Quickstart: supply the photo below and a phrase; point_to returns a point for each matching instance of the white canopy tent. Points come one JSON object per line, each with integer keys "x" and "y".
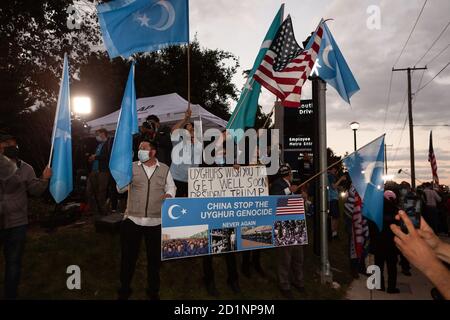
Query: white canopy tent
{"x": 169, "y": 108}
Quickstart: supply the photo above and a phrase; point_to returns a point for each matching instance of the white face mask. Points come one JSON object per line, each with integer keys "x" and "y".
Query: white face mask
{"x": 144, "y": 155}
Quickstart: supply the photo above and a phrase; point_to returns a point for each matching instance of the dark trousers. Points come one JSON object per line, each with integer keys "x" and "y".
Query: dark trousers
{"x": 404, "y": 263}
{"x": 97, "y": 190}
{"x": 182, "y": 188}
{"x": 251, "y": 257}
{"x": 431, "y": 216}
{"x": 386, "y": 252}
{"x": 13, "y": 242}
{"x": 290, "y": 267}
{"x": 131, "y": 236}
{"x": 208, "y": 270}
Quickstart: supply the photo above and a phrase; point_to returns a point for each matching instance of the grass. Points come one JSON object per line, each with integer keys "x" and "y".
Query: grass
{"x": 47, "y": 257}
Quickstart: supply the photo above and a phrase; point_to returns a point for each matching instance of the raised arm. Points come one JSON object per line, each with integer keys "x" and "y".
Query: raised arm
{"x": 182, "y": 122}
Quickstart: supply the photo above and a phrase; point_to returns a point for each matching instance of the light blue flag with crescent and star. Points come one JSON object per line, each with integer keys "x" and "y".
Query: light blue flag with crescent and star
{"x": 131, "y": 26}
{"x": 245, "y": 112}
{"x": 120, "y": 163}
{"x": 332, "y": 66}
{"x": 61, "y": 182}
{"x": 365, "y": 167}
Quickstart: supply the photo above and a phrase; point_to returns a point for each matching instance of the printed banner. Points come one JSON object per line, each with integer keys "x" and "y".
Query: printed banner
{"x": 247, "y": 181}
{"x": 195, "y": 227}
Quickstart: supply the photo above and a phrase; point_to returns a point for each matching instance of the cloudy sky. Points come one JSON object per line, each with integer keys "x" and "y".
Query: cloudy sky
{"x": 239, "y": 27}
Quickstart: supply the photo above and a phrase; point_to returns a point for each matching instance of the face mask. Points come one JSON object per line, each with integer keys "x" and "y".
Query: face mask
{"x": 100, "y": 139}
{"x": 11, "y": 152}
{"x": 144, "y": 155}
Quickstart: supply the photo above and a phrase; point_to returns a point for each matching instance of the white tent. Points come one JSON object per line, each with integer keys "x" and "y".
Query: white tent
{"x": 169, "y": 108}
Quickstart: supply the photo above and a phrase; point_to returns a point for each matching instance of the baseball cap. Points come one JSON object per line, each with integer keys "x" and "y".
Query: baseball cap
{"x": 284, "y": 170}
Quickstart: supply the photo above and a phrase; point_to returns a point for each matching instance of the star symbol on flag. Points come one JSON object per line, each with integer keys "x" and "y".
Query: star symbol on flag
{"x": 183, "y": 211}
{"x": 143, "y": 19}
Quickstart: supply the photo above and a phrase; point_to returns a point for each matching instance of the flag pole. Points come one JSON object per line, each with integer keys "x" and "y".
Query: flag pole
{"x": 337, "y": 162}
{"x": 189, "y": 74}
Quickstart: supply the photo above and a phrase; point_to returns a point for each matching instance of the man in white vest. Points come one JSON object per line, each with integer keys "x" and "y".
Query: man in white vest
{"x": 150, "y": 185}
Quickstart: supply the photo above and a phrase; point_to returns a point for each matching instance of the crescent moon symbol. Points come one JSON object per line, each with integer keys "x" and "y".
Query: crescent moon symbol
{"x": 169, "y": 212}
{"x": 325, "y": 54}
{"x": 164, "y": 25}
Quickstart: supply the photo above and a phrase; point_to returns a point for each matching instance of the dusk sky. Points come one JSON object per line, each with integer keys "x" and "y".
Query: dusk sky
{"x": 240, "y": 26}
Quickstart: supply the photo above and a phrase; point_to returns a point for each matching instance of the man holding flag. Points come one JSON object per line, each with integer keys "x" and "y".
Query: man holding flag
{"x": 14, "y": 193}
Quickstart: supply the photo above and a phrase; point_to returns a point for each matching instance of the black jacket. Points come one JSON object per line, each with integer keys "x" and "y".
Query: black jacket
{"x": 104, "y": 156}
{"x": 278, "y": 186}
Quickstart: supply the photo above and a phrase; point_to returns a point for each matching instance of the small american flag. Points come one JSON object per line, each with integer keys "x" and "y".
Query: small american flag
{"x": 432, "y": 160}
{"x": 290, "y": 205}
{"x": 286, "y": 66}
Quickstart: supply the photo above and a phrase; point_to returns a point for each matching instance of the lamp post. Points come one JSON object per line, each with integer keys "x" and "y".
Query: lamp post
{"x": 354, "y": 126}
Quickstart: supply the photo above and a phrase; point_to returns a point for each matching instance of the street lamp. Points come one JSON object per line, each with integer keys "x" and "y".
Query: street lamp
{"x": 354, "y": 126}
{"x": 82, "y": 105}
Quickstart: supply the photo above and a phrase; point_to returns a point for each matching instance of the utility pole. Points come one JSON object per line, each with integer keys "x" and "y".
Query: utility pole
{"x": 385, "y": 157}
{"x": 411, "y": 126}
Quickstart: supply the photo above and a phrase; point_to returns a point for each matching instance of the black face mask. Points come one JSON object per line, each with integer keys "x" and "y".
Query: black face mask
{"x": 11, "y": 152}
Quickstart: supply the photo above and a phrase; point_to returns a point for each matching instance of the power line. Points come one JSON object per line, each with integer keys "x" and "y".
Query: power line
{"x": 434, "y": 42}
{"x": 433, "y": 78}
{"x": 398, "y": 58}
{"x": 410, "y": 34}
{"x": 388, "y": 100}
{"x": 437, "y": 56}
{"x": 406, "y": 116}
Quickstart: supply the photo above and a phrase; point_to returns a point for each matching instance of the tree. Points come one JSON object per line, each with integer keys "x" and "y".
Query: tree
{"x": 34, "y": 36}
{"x": 160, "y": 73}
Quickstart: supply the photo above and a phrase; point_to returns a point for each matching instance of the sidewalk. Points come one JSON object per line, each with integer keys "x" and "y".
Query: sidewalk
{"x": 416, "y": 287}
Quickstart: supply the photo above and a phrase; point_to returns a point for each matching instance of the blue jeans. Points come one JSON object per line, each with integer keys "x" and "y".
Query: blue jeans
{"x": 13, "y": 242}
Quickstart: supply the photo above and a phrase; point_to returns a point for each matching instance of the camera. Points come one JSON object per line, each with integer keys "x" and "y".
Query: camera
{"x": 412, "y": 206}
{"x": 149, "y": 125}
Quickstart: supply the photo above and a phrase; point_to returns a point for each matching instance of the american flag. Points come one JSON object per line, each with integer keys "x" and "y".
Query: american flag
{"x": 286, "y": 66}
{"x": 432, "y": 160}
{"x": 290, "y": 205}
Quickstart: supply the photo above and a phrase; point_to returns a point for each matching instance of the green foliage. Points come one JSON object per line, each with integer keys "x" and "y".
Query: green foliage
{"x": 35, "y": 35}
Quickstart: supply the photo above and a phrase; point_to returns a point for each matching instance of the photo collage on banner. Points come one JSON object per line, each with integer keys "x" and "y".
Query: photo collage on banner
{"x": 235, "y": 214}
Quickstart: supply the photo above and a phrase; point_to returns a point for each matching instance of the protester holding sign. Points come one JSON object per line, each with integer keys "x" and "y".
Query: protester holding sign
{"x": 290, "y": 258}
{"x": 230, "y": 257}
{"x": 150, "y": 185}
{"x": 14, "y": 193}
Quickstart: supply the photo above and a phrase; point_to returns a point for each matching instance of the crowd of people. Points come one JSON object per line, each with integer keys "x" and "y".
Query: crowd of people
{"x": 290, "y": 232}
{"x": 258, "y": 236}
{"x": 177, "y": 248}
{"x": 425, "y": 206}
{"x": 155, "y": 180}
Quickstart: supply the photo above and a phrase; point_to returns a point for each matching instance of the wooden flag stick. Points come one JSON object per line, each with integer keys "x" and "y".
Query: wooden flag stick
{"x": 335, "y": 163}
{"x": 189, "y": 75}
